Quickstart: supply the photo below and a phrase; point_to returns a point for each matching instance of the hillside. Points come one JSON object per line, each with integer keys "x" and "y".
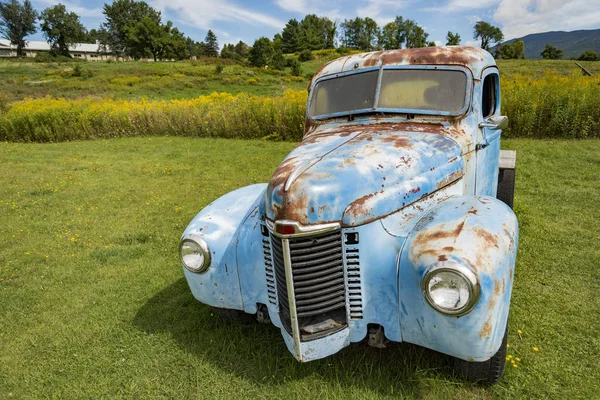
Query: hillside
{"x": 572, "y": 43}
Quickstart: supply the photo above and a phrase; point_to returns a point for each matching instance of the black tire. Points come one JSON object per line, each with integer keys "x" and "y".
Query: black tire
{"x": 485, "y": 372}
{"x": 506, "y": 186}
{"x": 234, "y": 316}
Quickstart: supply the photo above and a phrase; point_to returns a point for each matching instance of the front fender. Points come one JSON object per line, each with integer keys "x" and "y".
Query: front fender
{"x": 479, "y": 232}
{"x": 218, "y": 224}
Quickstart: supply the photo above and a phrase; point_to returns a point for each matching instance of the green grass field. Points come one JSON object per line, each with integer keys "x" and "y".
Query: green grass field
{"x": 93, "y": 303}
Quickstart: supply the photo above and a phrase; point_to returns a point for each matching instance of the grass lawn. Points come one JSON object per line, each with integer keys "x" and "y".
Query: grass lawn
{"x": 93, "y": 302}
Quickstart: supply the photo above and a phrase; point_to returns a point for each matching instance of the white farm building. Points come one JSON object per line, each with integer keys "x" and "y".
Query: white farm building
{"x": 84, "y": 51}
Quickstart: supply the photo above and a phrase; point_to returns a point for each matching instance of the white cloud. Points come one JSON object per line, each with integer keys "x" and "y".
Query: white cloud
{"x": 472, "y": 43}
{"x": 463, "y": 5}
{"x": 304, "y": 7}
{"x": 473, "y": 19}
{"x": 522, "y": 17}
{"x": 382, "y": 11}
{"x": 76, "y": 8}
{"x": 202, "y": 13}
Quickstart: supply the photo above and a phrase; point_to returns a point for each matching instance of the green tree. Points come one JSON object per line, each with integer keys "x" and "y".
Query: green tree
{"x": 291, "y": 38}
{"x": 589, "y": 56}
{"x": 17, "y": 21}
{"x": 452, "y": 39}
{"x": 508, "y": 51}
{"x": 211, "y": 44}
{"x": 551, "y": 53}
{"x": 242, "y": 49}
{"x": 403, "y": 32}
{"x": 145, "y": 39}
{"x": 194, "y": 49}
{"x": 488, "y": 34}
{"x": 415, "y": 36}
{"x": 295, "y": 67}
{"x": 91, "y": 36}
{"x": 359, "y": 33}
{"x": 388, "y": 39}
{"x": 150, "y": 39}
{"x": 61, "y": 28}
{"x": 278, "y": 61}
{"x": 519, "y": 49}
{"x": 505, "y": 52}
{"x": 431, "y": 44}
{"x": 228, "y": 51}
{"x": 261, "y": 52}
{"x": 120, "y": 14}
{"x": 175, "y": 46}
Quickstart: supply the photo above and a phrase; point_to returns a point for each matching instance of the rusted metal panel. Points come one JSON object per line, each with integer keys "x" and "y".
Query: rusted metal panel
{"x": 360, "y": 173}
{"x": 481, "y": 233}
{"x": 218, "y": 224}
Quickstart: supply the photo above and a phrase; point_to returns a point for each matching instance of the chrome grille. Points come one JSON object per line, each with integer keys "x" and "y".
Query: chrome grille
{"x": 271, "y": 290}
{"x": 354, "y": 283}
{"x": 318, "y": 276}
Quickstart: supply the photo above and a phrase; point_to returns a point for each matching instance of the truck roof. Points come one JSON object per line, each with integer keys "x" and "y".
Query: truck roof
{"x": 473, "y": 58}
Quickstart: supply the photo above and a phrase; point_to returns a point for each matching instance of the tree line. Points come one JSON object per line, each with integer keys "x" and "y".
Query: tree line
{"x": 131, "y": 29}
{"x": 134, "y": 29}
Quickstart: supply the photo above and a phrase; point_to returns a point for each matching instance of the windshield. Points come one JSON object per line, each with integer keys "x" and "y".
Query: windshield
{"x": 430, "y": 90}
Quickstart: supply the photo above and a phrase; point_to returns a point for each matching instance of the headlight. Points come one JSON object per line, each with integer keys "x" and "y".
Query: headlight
{"x": 194, "y": 254}
{"x": 451, "y": 288}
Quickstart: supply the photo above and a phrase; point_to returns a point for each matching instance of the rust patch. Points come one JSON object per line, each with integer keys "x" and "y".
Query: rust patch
{"x": 433, "y": 55}
{"x": 488, "y": 239}
{"x": 449, "y": 179}
{"x": 487, "y": 328}
{"x": 448, "y": 249}
{"x": 459, "y": 228}
{"x": 359, "y": 207}
{"x": 496, "y": 288}
{"x": 443, "y": 257}
{"x": 511, "y": 274}
{"x": 398, "y": 142}
{"x": 283, "y": 172}
{"x": 473, "y": 211}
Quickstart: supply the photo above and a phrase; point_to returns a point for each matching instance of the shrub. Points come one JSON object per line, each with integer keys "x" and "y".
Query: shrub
{"x": 306, "y": 55}
{"x": 252, "y": 81}
{"x": 295, "y": 65}
{"x": 219, "y": 69}
{"x": 44, "y": 57}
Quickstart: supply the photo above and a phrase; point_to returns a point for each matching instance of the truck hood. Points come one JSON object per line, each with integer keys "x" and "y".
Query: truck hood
{"x": 356, "y": 174}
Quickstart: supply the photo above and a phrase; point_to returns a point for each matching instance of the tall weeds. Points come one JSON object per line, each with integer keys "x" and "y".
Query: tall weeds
{"x": 550, "y": 106}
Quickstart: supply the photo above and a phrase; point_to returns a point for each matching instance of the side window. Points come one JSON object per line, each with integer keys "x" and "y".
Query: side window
{"x": 488, "y": 101}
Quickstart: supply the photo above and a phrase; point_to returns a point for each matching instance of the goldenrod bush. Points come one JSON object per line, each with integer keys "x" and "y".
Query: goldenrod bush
{"x": 217, "y": 115}
{"x": 550, "y": 106}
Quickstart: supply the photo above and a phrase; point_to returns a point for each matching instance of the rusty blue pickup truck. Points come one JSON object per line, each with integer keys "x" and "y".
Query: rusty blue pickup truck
{"x": 391, "y": 221}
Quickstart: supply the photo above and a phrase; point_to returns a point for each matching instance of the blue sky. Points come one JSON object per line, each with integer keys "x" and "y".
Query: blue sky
{"x": 234, "y": 20}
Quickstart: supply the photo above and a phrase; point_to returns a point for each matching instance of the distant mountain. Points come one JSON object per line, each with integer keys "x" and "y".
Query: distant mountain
{"x": 572, "y": 43}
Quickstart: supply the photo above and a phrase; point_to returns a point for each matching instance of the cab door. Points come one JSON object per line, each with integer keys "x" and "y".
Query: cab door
{"x": 490, "y": 128}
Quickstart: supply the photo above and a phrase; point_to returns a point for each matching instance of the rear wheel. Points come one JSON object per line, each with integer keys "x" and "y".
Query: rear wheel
{"x": 489, "y": 371}
{"x": 235, "y": 316}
